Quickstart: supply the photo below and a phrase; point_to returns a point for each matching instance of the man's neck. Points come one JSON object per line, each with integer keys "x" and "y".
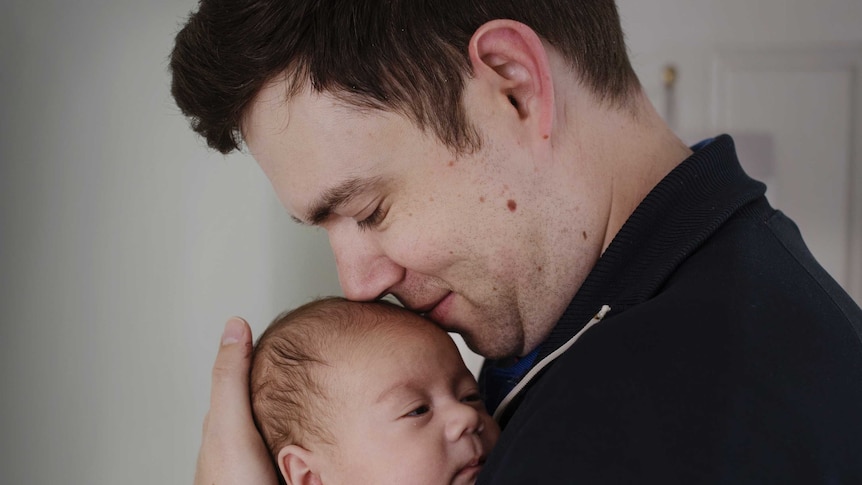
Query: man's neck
{"x": 640, "y": 151}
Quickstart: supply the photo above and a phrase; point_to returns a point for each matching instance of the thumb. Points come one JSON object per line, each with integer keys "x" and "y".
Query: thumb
{"x": 229, "y": 399}
{"x": 232, "y": 451}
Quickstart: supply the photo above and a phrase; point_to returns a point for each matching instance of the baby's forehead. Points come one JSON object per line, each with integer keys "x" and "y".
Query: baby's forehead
{"x": 380, "y": 335}
{"x": 379, "y": 332}
{"x": 337, "y": 332}
{"x": 381, "y": 320}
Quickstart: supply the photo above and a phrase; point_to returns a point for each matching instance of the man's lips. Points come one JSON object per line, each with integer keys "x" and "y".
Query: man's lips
{"x": 439, "y": 311}
{"x": 427, "y": 307}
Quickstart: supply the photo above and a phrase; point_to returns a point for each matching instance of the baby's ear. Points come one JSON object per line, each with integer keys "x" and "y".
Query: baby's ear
{"x": 297, "y": 466}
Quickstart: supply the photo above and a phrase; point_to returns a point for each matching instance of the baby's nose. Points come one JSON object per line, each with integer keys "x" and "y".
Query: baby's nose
{"x": 464, "y": 419}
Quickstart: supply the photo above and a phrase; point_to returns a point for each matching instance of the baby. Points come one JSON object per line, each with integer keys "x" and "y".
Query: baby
{"x": 367, "y": 393}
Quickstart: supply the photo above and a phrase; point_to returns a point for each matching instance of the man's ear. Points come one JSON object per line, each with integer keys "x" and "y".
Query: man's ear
{"x": 298, "y": 467}
{"x": 511, "y": 56}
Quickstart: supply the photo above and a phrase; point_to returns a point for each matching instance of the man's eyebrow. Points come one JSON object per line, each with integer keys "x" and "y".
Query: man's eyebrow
{"x": 334, "y": 197}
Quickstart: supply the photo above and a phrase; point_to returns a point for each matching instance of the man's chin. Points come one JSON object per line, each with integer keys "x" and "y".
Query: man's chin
{"x": 492, "y": 351}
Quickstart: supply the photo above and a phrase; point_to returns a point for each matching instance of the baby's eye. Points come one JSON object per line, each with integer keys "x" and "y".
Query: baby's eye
{"x": 474, "y": 397}
{"x": 423, "y": 409}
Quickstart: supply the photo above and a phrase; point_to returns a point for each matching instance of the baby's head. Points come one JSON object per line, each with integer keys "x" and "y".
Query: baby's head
{"x": 348, "y": 392}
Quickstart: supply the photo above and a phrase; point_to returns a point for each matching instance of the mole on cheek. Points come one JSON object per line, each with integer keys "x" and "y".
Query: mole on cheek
{"x": 512, "y": 205}
{"x": 585, "y": 235}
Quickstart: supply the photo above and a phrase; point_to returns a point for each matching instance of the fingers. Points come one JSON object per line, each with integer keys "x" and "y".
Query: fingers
{"x": 232, "y": 452}
{"x": 229, "y": 394}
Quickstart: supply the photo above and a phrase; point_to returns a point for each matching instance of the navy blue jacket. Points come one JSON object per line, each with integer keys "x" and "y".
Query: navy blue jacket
{"x": 729, "y": 356}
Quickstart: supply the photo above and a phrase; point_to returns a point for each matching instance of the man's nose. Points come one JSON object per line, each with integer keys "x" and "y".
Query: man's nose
{"x": 365, "y": 272}
{"x": 463, "y": 420}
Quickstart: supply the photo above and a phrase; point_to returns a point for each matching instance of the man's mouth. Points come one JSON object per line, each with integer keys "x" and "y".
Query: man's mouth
{"x": 440, "y": 310}
{"x": 430, "y": 306}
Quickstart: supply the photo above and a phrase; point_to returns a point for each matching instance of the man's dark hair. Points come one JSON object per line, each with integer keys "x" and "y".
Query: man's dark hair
{"x": 404, "y": 56}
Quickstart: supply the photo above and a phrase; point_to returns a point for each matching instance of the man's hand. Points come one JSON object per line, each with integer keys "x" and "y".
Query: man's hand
{"x": 232, "y": 451}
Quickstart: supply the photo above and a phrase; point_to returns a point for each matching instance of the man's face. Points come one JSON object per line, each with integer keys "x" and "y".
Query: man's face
{"x": 463, "y": 239}
{"x": 405, "y": 413}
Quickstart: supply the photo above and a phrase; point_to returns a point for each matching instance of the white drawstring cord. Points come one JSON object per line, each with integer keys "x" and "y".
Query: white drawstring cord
{"x": 547, "y": 360}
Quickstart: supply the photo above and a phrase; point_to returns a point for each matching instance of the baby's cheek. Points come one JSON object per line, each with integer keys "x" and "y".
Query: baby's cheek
{"x": 492, "y": 432}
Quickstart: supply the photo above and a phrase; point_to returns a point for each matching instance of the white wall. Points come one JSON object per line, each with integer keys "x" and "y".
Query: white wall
{"x": 688, "y": 31}
{"x": 807, "y": 51}
{"x": 124, "y": 244}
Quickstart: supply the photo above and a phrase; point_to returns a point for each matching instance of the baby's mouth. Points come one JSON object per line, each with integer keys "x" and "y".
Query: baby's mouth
{"x": 473, "y": 466}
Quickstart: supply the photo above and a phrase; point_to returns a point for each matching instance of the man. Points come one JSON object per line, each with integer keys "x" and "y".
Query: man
{"x": 496, "y": 166}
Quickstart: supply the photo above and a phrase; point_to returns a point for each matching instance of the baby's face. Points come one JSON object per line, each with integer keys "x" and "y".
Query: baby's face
{"x": 407, "y": 410}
